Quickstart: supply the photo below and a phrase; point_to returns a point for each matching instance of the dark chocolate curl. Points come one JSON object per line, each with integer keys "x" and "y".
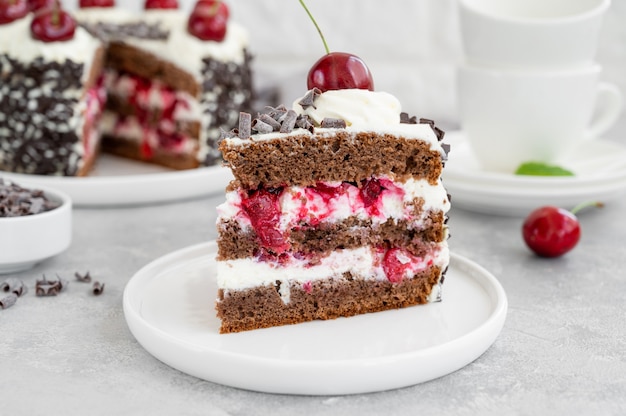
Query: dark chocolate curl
{"x": 333, "y": 123}
{"x": 83, "y": 278}
{"x": 8, "y": 301}
{"x": 405, "y": 119}
{"x": 245, "y": 125}
{"x": 261, "y": 127}
{"x": 46, "y": 287}
{"x": 304, "y": 122}
{"x": 446, "y": 148}
{"x": 289, "y": 122}
{"x": 427, "y": 121}
{"x": 439, "y": 133}
{"x": 267, "y": 119}
{"x": 14, "y": 285}
{"x": 309, "y": 99}
{"x": 98, "y": 288}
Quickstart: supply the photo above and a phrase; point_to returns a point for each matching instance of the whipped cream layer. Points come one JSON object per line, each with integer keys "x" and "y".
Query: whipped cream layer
{"x": 16, "y": 41}
{"x": 364, "y": 262}
{"x": 337, "y": 201}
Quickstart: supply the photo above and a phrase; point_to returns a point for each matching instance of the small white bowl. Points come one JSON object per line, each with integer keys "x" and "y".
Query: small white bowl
{"x": 28, "y": 240}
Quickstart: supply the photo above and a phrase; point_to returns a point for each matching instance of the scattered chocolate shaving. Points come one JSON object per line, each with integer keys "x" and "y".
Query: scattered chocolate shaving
{"x": 83, "y": 278}
{"x": 289, "y": 121}
{"x": 446, "y": 148}
{"x": 333, "y": 123}
{"x": 8, "y": 301}
{"x": 427, "y": 121}
{"x": 15, "y": 286}
{"x": 16, "y": 201}
{"x": 245, "y": 125}
{"x": 98, "y": 288}
{"x": 309, "y": 99}
{"x": 45, "y": 287}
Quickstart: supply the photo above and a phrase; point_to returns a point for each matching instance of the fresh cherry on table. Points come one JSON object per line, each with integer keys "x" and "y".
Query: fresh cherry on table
{"x": 339, "y": 70}
{"x": 11, "y": 10}
{"x": 96, "y": 3}
{"x": 161, "y": 4}
{"x": 53, "y": 25}
{"x": 551, "y": 231}
{"x": 208, "y": 20}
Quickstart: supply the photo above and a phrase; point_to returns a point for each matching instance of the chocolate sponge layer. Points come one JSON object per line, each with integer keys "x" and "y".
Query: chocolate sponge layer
{"x": 343, "y": 156}
{"x": 331, "y": 298}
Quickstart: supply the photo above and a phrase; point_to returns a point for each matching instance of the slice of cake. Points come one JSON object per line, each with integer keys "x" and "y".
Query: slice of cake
{"x": 50, "y": 97}
{"x": 337, "y": 209}
{"x": 170, "y": 92}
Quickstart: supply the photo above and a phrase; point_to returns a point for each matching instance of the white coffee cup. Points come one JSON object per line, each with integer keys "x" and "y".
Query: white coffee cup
{"x": 523, "y": 34}
{"x": 514, "y": 117}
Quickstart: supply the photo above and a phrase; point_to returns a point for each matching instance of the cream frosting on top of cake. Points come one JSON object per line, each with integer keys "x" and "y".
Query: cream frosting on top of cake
{"x": 362, "y": 110}
{"x": 17, "y": 42}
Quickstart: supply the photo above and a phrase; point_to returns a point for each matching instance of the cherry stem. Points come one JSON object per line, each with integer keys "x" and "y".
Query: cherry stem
{"x": 586, "y": 204}
{"x": 316, "y": 26}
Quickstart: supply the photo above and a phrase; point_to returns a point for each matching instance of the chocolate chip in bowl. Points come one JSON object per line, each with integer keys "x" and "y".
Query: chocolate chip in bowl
{"x": 35, "y": 224}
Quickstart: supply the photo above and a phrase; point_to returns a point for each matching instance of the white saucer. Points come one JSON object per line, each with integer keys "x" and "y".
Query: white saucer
{"x": 599, "y": 167}
{"x": 117, "y": 181}
{"x": 169, "y": 308}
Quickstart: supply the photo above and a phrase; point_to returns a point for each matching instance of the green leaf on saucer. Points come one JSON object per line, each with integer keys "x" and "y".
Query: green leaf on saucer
{"x": 542, "y": 169}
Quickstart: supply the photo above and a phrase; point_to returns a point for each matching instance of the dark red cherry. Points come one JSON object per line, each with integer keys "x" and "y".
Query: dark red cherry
{"x": 551, "y": 231}
{"x": 53, "y": 25}
{"x": 161, "y": 4}
{"x": 11, "y": 10}
{"x": 97, "y": 3}
{"x": 208, "y": 20}
{"x": 339, "y": 71}
{"x": 395, "y": 264}
{"x": 263, "y": 209}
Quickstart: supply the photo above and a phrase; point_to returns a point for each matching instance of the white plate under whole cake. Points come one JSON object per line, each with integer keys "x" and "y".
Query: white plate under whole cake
{"x": 169, "y": 308}
{"x": 116, "y": 181}
{"x": 600, "y": 175}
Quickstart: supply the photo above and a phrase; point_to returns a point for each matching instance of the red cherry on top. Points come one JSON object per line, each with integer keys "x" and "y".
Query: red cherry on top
{"x": 208, "y": 20}
{"x": 161, "y": 4}
{"x": 35, "y": 5}
{"x": 339, "y": 71}
{"x": 551, "y": 231}
{"x": 11, "y": 10}
{"x": 96, "y": 3}
{"x": 53, "y": 25}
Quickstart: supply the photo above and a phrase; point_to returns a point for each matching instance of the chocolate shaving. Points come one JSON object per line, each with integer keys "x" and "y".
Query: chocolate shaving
{"x": 86, "y": 278}
{"x": 228, "y": 134}
{"x": 304, "y": 122}
{"x": 267, "y": 119}
{"x": 277, "y": 113}
{"x": 15, "y": 286}
{"x": 427, "y": 121}
{"x": 45, "y": 287}
{"x": 333, "y": 123}
{"x": 446, "y": 148}
{"x": 98, "y": 288}
{"x": 245, "y": 125}
{"x": 262, "y": 127}
{"x": 8, "y": 301}
{"x": 16, "y": 201}
{"x": 309, "y": 99}
{"x": 439, "y": 133}
{"x": 289, "y": 121}
{"x": 405, "y": 119}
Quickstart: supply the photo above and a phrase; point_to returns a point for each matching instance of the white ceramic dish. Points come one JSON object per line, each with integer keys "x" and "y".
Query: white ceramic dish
{"x": 600, "y": 174}
{"x": 116, "y": 181}
{"x": 168, "y": 306}
{"x": 28, "y": 240}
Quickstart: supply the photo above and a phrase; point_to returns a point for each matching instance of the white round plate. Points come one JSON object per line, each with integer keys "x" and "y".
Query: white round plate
{"x": 169, "y": 308}
{"x": 600, "y": 175}
{"x": 117, "y": 181}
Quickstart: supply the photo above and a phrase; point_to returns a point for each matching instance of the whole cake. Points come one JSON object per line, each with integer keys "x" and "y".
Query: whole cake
{"x": 173, "y": 81}
{"x": 337, "y": 208}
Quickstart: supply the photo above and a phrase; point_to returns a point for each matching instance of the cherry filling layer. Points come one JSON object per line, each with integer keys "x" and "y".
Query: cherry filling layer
{"x": 157, "y": 111}
{"x": 273, "y": 213}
